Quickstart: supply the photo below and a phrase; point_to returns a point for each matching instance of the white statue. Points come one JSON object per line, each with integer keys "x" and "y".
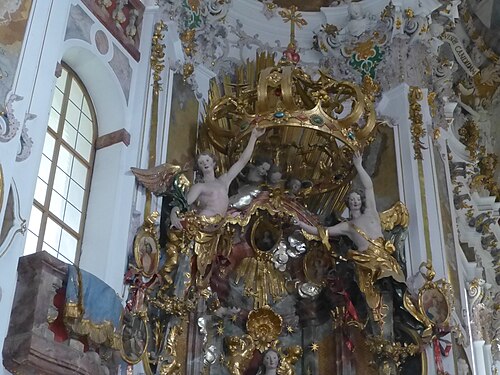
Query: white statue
{"x": 358, "y": 23}
{"x": 211, "y": 194}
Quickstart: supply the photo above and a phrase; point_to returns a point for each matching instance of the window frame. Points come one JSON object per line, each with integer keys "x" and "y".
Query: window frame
{"x": 44, "y": 207}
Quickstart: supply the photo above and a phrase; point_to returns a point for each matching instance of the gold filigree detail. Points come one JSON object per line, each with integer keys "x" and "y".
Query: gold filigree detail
{"x": 486, "y": 177}
{"x": 158, "y": 55}
{"x": 417, "y": 130}
{"x": 387, "y": 352}
{"x": 370, "y": 88}
{"x": 431, "y": 100}
{"x": 469, "y": 136}
{"x": 288, "y": 358}
{"x": 157, "y": 61}
{"x": 188, "y": 42}
{"x": 264, "y": 326}
{"x": 240, "y": 351}
{"x": 171, "y": 364}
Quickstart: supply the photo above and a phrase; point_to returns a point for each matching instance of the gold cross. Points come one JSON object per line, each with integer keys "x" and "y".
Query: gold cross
{"x": 295, "y": 18}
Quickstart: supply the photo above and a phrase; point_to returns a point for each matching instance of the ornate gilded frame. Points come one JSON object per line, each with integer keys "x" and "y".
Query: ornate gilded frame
{"x": 146, "y": 243}
{"x": 127, "y": 357}
{"x": 275, "y": 232}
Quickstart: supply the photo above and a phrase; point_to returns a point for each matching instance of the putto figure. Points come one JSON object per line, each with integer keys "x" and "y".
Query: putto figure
{"x": 210, "y": 195}
{"x": 373, "y": 255}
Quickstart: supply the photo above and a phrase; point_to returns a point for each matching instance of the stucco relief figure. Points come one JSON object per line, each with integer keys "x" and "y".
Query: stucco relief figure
{"x": 373, "y": 257}
{"x": 210, "y": 195}
{"x": 358, "y": 22}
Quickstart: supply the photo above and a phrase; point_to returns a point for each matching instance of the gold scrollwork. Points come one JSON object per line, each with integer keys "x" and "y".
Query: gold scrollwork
{"x": 415, "y": 95}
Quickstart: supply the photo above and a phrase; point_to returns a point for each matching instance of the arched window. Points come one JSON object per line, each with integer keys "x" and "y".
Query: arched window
{"x": 62, "y": 189}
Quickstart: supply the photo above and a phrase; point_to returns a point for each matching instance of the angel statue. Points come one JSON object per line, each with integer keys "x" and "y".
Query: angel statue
{"x": 208, "y": 198}
{"x": 373, "y": 256}
{"x": 210, "y": 195}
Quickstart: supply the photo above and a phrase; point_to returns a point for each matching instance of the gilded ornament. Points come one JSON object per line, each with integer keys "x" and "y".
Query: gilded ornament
{"x": 288, "y": 358}
{"x": 187, "y": 70}
{"x": 415, "y": 95}
{"x": 291, "y": 15}
{"x": 431, "y": 100}
{"x": 469, "y": 136}
{"x": 240, "y": 352}
{"x": 293, "y": 123}
{"x": 264, "y": 326}
{"x": 158, "y": 54}
{"x": 389, "y": 353}
{"x": 170, "y": 364}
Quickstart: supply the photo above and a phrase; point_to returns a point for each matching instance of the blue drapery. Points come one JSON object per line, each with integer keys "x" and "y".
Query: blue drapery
{"x": 95, "y": 300}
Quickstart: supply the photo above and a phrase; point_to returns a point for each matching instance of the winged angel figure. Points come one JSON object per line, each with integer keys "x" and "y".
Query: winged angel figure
{"x": 374, "y": 254}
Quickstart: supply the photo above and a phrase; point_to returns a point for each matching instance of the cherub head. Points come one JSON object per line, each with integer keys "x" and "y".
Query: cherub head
{"x": 294, "y": 185}
{"x": 274, "y": 175}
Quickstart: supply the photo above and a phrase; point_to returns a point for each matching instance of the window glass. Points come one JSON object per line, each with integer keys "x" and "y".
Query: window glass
{"x": 62, "y": 187}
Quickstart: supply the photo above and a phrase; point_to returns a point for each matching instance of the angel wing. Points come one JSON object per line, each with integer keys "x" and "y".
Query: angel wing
{"x": 397, "y": 215}
{"x": 159, "y": 179}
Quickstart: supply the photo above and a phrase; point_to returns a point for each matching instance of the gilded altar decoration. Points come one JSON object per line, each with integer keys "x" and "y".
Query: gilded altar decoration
{"x": 417, "y": 129}
{"x": 170, "y": 363}
{"x": 469, "y": 136}
{"x": 326, "y": 119}
{"x": 288, "y": 358}
{"x": 389, "y": 354}
{"x": 157, "y": 66}
{"x": 264, "y": 326}
{"x": 240, "y": 351}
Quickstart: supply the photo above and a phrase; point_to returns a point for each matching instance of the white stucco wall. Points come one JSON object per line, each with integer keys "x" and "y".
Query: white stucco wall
{"x": 113, "y": 192}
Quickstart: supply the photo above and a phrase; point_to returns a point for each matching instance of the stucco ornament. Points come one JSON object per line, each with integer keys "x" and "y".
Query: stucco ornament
{"x": 7, "y": 8}
{"x": 9, "y": 124}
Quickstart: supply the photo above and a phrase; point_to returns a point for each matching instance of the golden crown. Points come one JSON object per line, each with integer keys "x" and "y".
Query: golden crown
{"x": 314, "y": 125}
